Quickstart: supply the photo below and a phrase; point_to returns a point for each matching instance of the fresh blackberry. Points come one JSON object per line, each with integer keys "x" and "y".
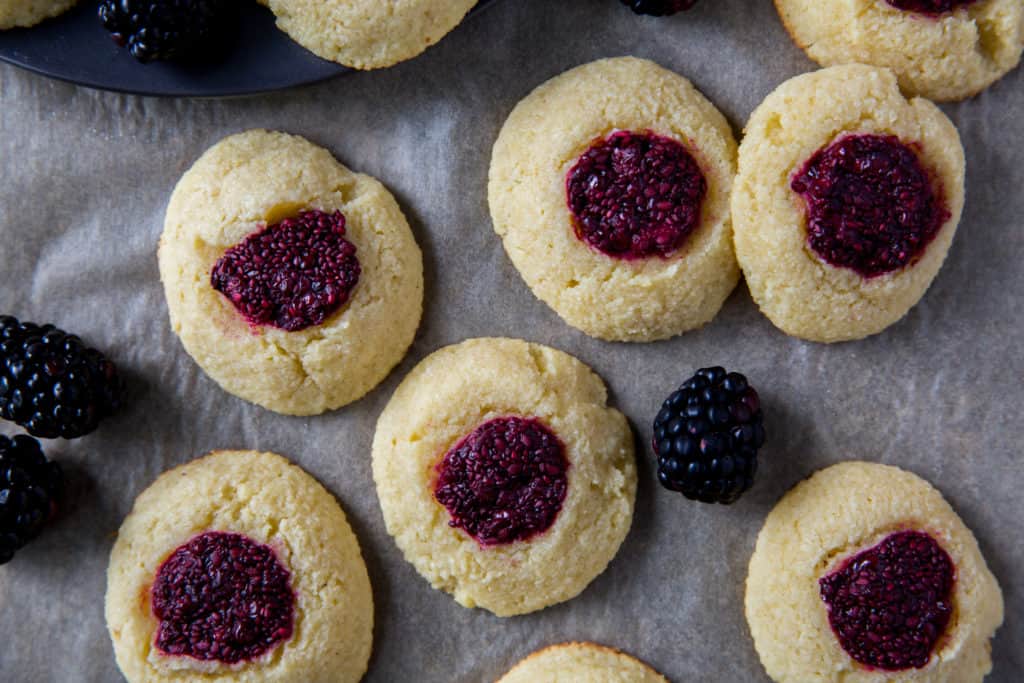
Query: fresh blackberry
{"x": 29, "y": 488}
{"x": 659, "y": 8}
{"x": 51, "y": 384}
{"x": 706, "y": 437}
{"x": 167, "y": 29}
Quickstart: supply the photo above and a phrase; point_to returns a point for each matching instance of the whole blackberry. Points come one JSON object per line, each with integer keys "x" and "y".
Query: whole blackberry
{"x": 659, "y": 8}
{"x": 166, "y": 29}
{"x": 706, "y": 437}
{"x": 51, "y": 384}
{"x": 29, "y": 488}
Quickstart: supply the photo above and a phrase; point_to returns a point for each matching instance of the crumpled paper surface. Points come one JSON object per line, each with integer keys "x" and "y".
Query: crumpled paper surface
{"x": 85, "y": 180}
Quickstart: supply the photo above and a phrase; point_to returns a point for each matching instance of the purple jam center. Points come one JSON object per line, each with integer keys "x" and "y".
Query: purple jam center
{"x": 871, "y": 207}
{"x": 505, "y": 481}
{"x": 222, "y": 597}
{"x": 932, "y": 7}
{"x": 635, "y": 195}
{"x": 291, "y": 275}
{"x": 890, "y": 604}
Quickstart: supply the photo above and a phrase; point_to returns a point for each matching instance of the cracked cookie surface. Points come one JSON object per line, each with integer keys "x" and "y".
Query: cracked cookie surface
{"x": 270, "y": 502}
{"x": 947, "y": 56}
{"x": 258, "y": 178}
{"x": 818, "y": 526}
{"x": 800, "y": 292}
{"x": 541, "y": 146}
{"x": 449, "y": 395}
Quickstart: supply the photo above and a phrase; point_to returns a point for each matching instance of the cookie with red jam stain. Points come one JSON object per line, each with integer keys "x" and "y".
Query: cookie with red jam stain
{"x": 889, "y": 605}
{"x": 505, "y": 481}
{"x": 293, "y": 282}
{"x": 222, "y": 597}
{"x": 945, "y": 50}
{"x": 871, "y": 206}
{"x": 503, "y": 475}
{"x": 616, "y": 212}
{"x": 291, "y": 275}
{"x": 247, "y": 581}
{"x": 846, "y": 202}
{"x": 864, "y": 572}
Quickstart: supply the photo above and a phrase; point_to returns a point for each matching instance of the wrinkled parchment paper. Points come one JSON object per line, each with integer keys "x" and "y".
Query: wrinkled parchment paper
{"x": 86, "y": 177}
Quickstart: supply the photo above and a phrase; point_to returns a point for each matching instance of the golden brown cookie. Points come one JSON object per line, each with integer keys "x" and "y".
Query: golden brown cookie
{"x": 609, "y": 186}
{"x": 864, "y": 573}
{"x": 238, "y": 568}
{"x": 940, "y": 49}
{"x": 292, "y": 281}
{"x": 846, "y": 202}
{"x": 23, "y": 13}
{"x": 581, "y": 663}
{"x": 368, "y": 34}
{"x": 503, "y": 475}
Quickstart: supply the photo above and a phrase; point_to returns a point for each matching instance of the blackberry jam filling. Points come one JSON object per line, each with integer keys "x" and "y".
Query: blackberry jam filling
{"x": 222, "y": 597}
{"x": 871, "y": 206}
{"x": 291, "y": 275}
{"x": 890, "y": 604}
{"x": 932, "y": 7}
{"x": 505, "y": 481}
{"x": 635, "y": 195}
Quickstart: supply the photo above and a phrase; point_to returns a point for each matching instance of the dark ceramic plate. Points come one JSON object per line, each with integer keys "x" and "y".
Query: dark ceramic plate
{"x": 74, "y": 47}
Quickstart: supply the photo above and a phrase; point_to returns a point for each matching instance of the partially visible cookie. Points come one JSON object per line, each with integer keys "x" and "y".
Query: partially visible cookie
{"x": 368, "y": 34}
{"x": 24, "y": 13}
{"x": 503, "y": 475}
{"x": 864, "y": 573}
{"x": 238, "y": 568}
{"x": 609, "y": 186}
{"x": 940, "y": 49}
{"x": 846, "y": 202}
{"x": 293, "y": 282}
{"x": 581, "y": 663}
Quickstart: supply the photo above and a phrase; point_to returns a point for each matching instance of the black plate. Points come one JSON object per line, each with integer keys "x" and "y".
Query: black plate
{"x": 74, "y": 47}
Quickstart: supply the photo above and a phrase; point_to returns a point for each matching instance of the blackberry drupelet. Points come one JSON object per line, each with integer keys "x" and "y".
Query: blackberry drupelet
{"x": 659, "y": 8}
{"x": 29, "y": 487}
{"x": 706, "y": 437}
{"x": 51, "y": 383}
{"x": 167, "y": 29}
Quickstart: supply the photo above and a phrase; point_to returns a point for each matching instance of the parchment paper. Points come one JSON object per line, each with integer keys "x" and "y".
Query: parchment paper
{"x": 85, "y": 180}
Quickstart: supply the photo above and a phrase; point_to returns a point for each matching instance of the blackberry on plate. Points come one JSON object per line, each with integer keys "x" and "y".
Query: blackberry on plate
{"x": 167, "y": 29}
{"x": 706, "y": 437}
{"x": 51, "y": 383}
{"x": 659, "y": 8}
{"x": 29, "y": 487}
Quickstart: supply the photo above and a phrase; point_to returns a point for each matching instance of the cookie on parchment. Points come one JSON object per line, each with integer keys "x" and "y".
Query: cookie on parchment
{"x": 238, "y": 568}
{"x": 846, "y": 202}
{"x": 581, "y": 663}
{"x": 939, "y": 49}
{"x": 368, "y": 34}
{"x": 24, "y": 13}
{"x": 503, "y": 475}
{"x": 864, "y": 573}
{"x": 609, "y": 186}
{"x": 293, "y": 282}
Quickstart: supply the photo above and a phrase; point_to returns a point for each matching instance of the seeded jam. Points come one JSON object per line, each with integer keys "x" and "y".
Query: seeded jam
{"x": 291, "y": 275}
{"x": 890, "y": 604}
{"x": 932, "y": 7}
{"x": 222, "y": 597}
{"x": 871, "y": 206}
{"x": 635, "y": 195}
{"x": 505, "y": 481}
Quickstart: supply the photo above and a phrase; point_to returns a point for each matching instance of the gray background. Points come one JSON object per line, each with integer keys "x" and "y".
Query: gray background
{"x": 85, "y": 180}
